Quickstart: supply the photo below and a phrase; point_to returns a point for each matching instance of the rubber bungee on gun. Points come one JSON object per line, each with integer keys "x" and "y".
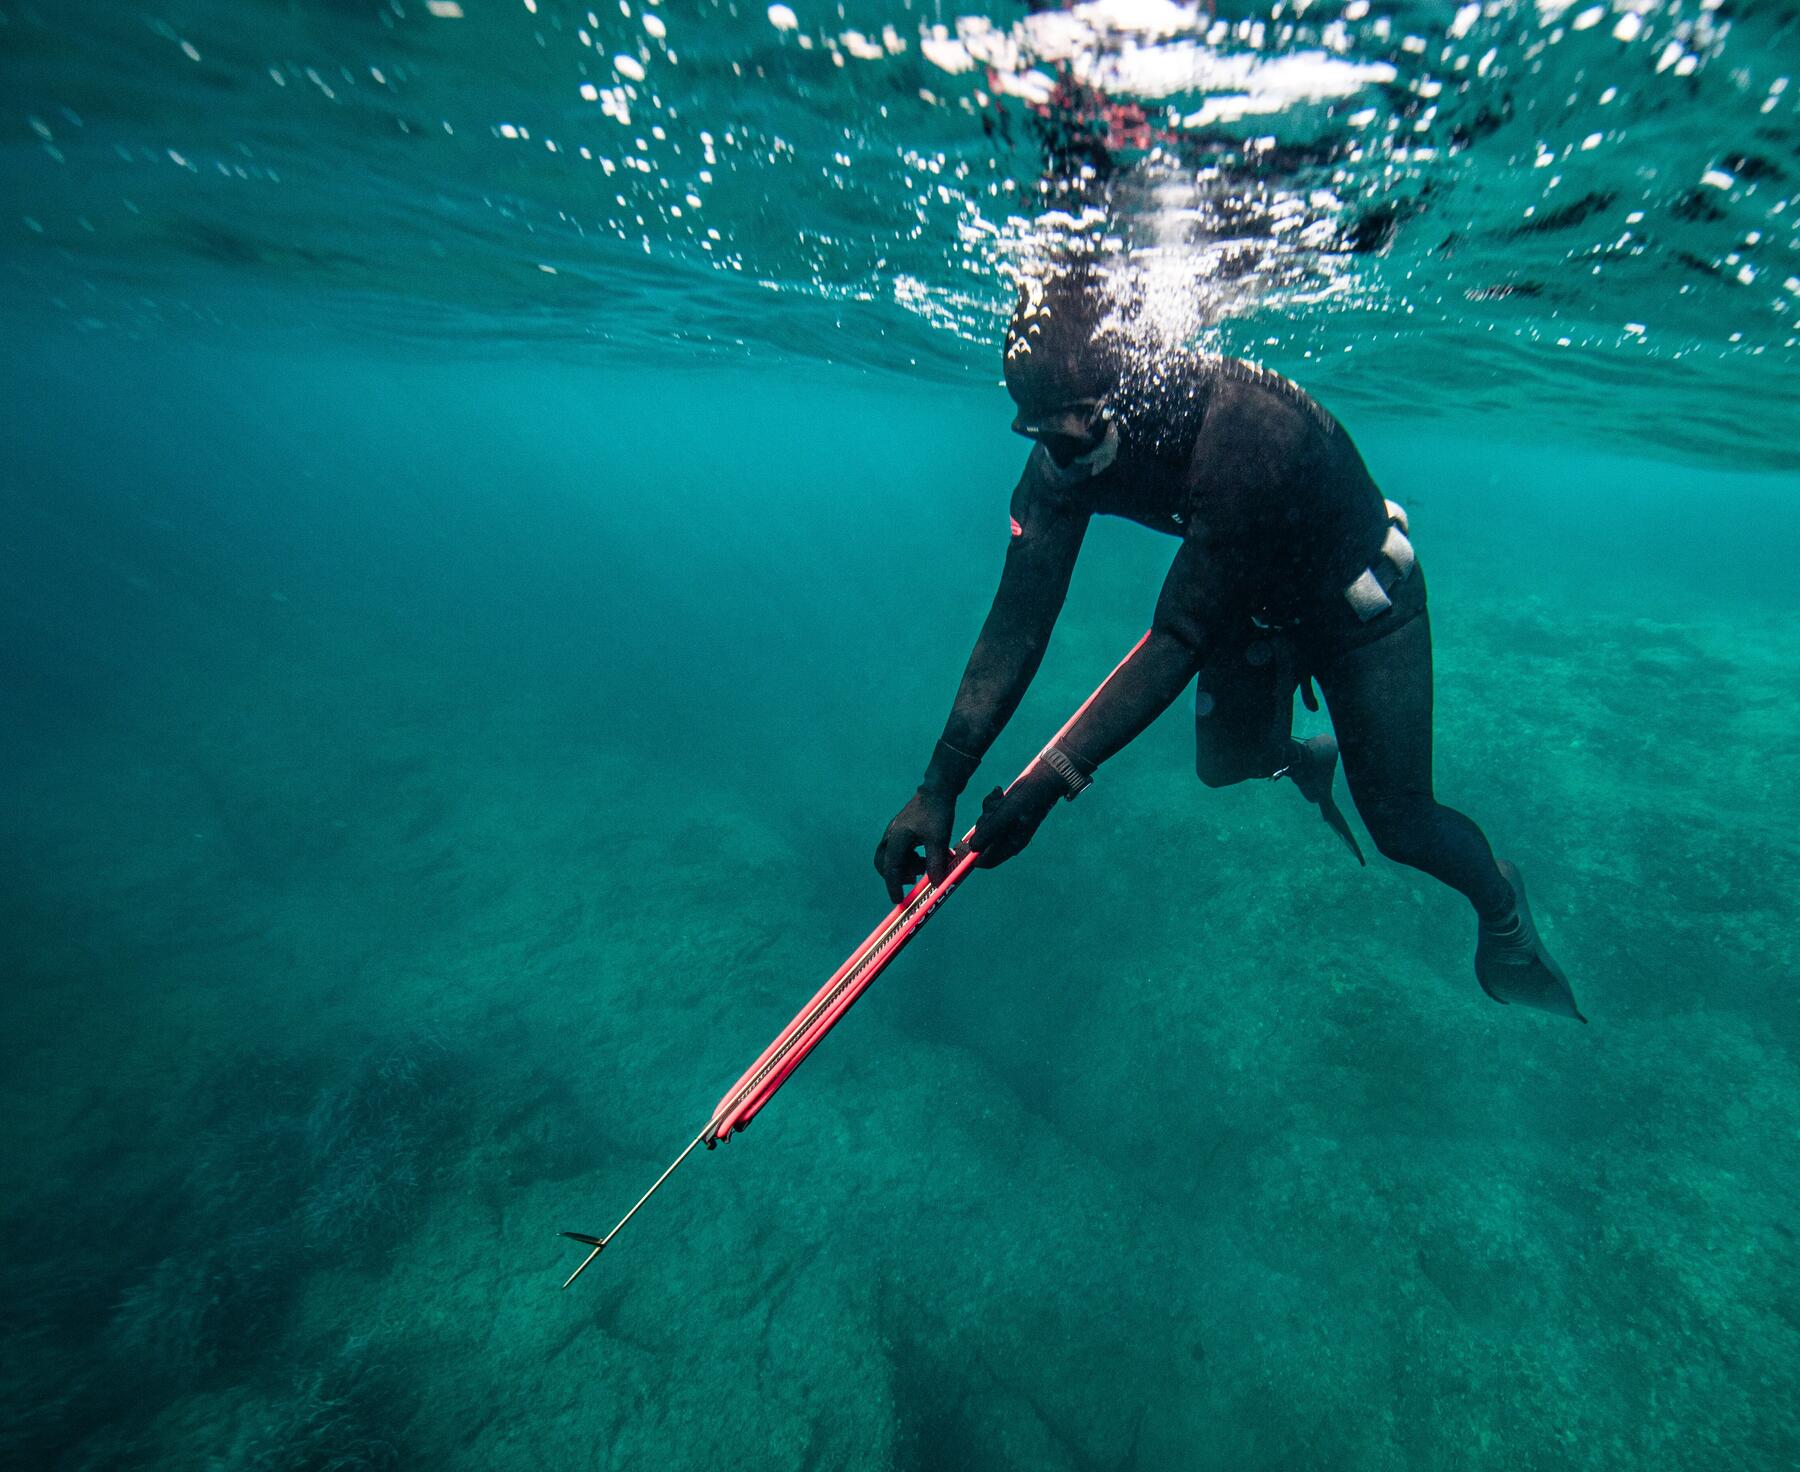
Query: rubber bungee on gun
{"x": 745, "y": 1099}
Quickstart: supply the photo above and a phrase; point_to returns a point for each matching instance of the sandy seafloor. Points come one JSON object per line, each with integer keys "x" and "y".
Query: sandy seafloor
{"x": 427, "y": 787}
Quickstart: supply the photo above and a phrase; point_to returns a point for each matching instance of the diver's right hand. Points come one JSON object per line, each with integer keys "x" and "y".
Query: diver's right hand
{"x": 923, "y": 824}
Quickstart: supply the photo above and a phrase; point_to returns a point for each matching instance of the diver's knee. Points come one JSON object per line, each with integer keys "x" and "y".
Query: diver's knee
{"x": 1401, "y": 828}
{"x": 1223, "y": 769}
{"x": 1225, "y": 753}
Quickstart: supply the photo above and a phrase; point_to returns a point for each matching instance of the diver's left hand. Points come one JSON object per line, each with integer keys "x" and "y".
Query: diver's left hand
{"x": 1010, "y": 816}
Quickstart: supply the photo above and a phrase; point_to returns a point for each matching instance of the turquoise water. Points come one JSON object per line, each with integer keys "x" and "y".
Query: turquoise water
{"x": 448, "y": 708}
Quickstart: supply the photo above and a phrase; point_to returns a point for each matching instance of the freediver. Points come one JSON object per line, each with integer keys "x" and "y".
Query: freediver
{"x": 1292, "y": 568}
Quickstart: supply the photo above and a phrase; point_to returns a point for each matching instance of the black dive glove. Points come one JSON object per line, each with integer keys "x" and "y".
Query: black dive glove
{"x": 1010, "y": 816}
{"x": 924, "y": 824}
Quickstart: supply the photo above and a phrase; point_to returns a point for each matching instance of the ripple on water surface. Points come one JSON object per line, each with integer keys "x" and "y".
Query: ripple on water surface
{"x": 1576, "y": 212}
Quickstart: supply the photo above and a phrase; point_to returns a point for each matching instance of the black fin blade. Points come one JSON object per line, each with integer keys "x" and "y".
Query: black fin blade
{"x": 1334, "y": 819}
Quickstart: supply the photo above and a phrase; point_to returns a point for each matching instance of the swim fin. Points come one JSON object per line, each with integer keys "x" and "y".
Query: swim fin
{"x": 1313, "y": 769}
{"x": 1513, "y": 965}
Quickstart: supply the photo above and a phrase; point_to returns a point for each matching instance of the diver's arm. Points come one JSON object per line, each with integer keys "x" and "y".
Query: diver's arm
{"x": 1161, "y": 667}
{"x": 1040, "y": 560}
{"x": 1047, "y": 534}
{"x": 1138, "y": 692}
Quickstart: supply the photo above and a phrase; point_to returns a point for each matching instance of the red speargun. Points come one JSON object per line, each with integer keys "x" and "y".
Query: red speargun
{"x": 747, "y": 1096}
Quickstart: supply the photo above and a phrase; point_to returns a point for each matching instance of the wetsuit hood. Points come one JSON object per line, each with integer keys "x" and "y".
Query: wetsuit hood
{"x": 1061, "y": 364}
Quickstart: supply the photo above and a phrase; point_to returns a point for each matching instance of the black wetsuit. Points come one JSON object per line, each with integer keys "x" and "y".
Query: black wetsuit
{"x": 1277, "y": 516}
